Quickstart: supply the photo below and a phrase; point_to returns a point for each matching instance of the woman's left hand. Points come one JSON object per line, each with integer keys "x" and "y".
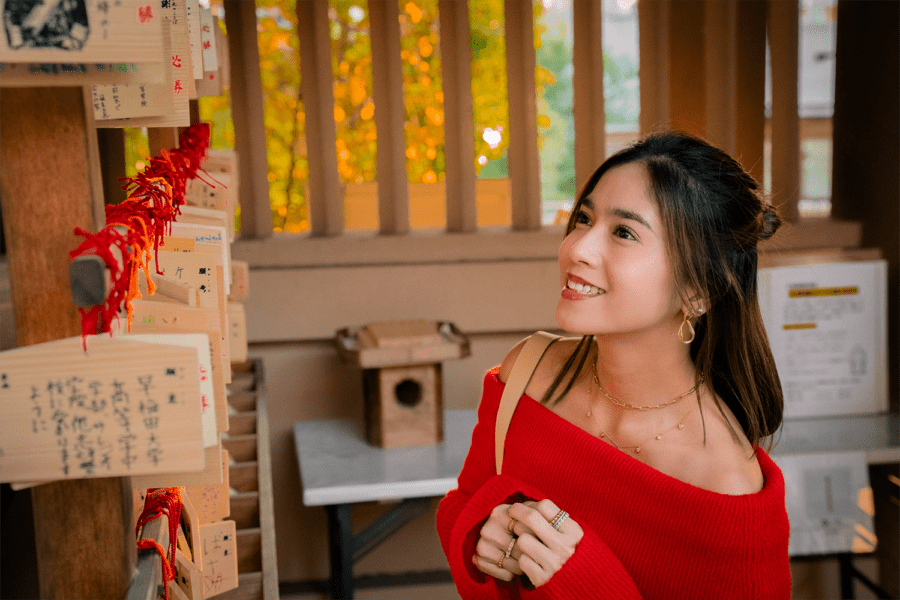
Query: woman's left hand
{"x": 541, "y": 550}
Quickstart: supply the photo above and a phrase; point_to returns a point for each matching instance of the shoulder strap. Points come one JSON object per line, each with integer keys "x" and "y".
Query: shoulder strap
{"x": 521, "y": 373}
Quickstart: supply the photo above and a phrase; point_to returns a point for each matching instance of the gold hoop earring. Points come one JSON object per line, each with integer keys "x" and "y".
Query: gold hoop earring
{"x": 687, "y": 321}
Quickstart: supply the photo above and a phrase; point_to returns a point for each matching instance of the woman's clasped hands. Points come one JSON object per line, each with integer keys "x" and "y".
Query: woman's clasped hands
{"x": 528, "y": 538}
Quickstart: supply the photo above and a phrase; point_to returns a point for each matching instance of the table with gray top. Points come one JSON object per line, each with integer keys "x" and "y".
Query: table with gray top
{"x": 339, "y": 468}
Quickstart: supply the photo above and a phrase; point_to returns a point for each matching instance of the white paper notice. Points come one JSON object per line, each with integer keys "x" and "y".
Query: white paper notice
{"x": 829, "y": 503}
{"x": 827, "y": 328}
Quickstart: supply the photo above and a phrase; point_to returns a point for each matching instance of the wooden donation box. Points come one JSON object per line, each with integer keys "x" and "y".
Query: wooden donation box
{"x": 402, "y": 381}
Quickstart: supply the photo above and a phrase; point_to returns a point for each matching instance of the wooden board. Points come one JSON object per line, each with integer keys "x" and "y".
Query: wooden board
{"x": 159, "y": 317}
{"x": 219, "y": 549}
{"x": 237, "y": 332}
{"x": 212, "y": 502}
{"x": 67, "y": 414}
{"x": 206, "y": 399}
{"x": 240, "y": 281}
{"x": 85, "y": 31}
{"x": 178, "y": 82}
{"x": 82, "y": 74}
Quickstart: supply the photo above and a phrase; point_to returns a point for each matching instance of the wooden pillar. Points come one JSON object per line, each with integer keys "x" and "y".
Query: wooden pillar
{"x": 524, "y": 159}
{"x": 784, "y": 40}
{"x": 589, "y": 107}
{"x": 459, "y": 138}
{"x": 247, "y": 114}
{"x": 719, "y": 22}
{"x": 687, "y": 67}
{"x": 326, "y": 201}
{"x": 390, "y": 116}
{"x": 85, "y": 545}
{"x": 750, "y": 85}
{"x": 653, "y": 39}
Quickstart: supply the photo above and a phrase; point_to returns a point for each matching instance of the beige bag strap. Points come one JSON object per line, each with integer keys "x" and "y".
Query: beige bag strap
{"x": 521, "y": 373}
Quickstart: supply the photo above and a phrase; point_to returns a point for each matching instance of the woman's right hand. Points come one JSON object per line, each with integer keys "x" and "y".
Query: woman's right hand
{"x": 494, "y": 550}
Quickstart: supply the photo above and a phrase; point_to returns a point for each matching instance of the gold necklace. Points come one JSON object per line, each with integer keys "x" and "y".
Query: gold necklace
{"x": 623, "y": 404}
{"x": 658, "y": 436}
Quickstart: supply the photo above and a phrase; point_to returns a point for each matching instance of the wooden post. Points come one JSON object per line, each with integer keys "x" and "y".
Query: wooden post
{"x": 85, "y": 545}
{"x": 589, "y": 105}
{"x": 459, "y": 142}
{"x": 390, "y": 116}
{"x": 784, "y": 39}
{"x": 247, "y": 113}
{"x": 524, "y": 158}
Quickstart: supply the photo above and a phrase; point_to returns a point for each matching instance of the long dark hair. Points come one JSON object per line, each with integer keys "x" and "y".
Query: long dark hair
{"x": 714, "y": 215}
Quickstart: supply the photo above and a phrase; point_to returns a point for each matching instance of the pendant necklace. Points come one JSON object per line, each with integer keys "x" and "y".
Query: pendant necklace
{"x": 637, "y": 448}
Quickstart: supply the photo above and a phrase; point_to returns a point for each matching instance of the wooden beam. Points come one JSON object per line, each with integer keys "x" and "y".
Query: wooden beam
{"x": 247, "y": 114}
{"x": 85, "y": 544}
{"x": 523, "y": 157}
{"x": 589, "y": 107}
{"x": 326, "y": 201}
{"x": 784, "y": 40}
{"x": 459, "y": 139}
{"x": 111, "y": 143}
{"x": 390, "y": 116}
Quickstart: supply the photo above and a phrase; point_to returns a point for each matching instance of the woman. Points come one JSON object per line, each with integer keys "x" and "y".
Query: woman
{"x": 639, "y": 473}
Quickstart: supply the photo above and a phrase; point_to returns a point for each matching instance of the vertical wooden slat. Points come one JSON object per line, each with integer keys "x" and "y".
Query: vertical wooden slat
{"x": 721, "y": 56}
{"x": 524, "y": 159}
{"x": 247, "y": 114}
{"x": 390, "y": 116}
{"x": 589, "y": 107}
{"x": 784, "y": 34}
{"x": 92, "y": 149}
{"x": 750, "y": 85}
{"x": 85, "y": 545}
{"x": 162, "y": 138}
{"x": 459, "y": 140}
{"x": 326, "y": 202}
{"x": 111, "y": 143}
{"x": 653, "y": 44}
{"x": 687, "y": 68}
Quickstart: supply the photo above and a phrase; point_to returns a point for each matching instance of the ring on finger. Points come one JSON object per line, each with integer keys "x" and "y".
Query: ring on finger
{"x": 512, "y": 525}
{"x": 559, "y": 519}
{"x": 507, "y": 553}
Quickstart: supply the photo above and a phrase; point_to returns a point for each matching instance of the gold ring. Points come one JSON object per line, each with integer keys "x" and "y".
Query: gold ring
{"x": 512, "y": 526}
{"x": 558, "y": 520}
{"x": 507, "y": 553}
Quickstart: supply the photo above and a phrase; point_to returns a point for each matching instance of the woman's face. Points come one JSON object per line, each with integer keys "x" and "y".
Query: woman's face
{"x": 614, "y": 267}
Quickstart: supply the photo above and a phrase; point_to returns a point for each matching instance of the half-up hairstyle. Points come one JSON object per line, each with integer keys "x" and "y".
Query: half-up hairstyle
{"x": 715, "y": 216}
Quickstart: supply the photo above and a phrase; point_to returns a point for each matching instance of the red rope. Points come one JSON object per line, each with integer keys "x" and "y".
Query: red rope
{"x": 155, "y": 197}
{"x": 163, "y": 501}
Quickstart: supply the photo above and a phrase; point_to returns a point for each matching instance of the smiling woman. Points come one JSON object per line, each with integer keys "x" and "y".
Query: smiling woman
{"x": 639, "y": 473}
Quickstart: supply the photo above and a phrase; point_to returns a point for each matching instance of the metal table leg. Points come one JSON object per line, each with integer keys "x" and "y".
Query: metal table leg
{"x": 340, "y": 547}
{"x": 345, "y": 548}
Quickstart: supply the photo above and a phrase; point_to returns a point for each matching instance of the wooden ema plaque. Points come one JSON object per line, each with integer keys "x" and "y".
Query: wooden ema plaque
{"x": 402, "y": 378}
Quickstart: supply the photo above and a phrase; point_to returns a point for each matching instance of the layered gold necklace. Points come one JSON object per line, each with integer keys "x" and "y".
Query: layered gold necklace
{"x": 622, "y": 404}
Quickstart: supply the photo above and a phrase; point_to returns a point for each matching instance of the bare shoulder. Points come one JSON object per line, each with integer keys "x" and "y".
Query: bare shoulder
{"x": 731, "y": 465}
{"x": 547, "y": 368}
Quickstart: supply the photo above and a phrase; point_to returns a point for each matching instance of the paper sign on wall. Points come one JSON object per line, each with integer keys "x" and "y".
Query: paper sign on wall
{"x": 829, "y": 503}
{"x": 828, "y": 331}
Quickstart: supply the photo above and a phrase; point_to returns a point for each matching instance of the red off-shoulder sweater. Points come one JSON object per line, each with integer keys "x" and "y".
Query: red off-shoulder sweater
{"x": 647, "y": 535}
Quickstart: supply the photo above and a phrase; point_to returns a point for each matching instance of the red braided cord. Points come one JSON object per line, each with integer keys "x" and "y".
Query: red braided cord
{"x": 154, "y": 201}
{"x": 168, "y": 570}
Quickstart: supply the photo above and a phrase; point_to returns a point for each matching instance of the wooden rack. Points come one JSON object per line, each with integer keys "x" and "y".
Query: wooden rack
{"x": 250, "y": 475}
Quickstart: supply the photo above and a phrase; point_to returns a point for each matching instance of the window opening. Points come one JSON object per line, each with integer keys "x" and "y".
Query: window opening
{"x": 621, "y": 85}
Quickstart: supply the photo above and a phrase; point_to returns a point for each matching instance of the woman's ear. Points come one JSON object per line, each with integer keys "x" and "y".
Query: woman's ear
{"x": 696, "y": 305}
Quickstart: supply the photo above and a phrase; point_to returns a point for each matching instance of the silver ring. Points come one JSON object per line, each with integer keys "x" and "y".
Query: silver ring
{"x": 559, "y": 519}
